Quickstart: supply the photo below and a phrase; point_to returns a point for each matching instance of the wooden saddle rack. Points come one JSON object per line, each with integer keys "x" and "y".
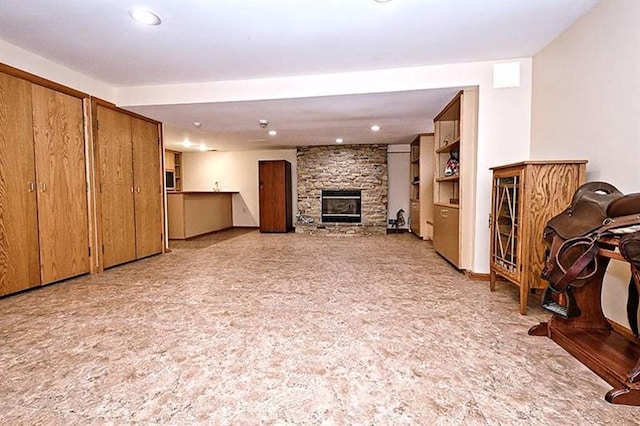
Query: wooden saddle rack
{"x": 600, "y": 224}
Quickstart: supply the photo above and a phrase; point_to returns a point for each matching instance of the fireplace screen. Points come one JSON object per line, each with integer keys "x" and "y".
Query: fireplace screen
{"x": 341, "y": 206}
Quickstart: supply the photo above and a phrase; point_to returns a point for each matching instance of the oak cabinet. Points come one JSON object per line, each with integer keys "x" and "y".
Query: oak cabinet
{"x": 44, "y": 230}
{"x": 130, "y": 187}
{"x": 524, "y": 197}
{"x": 276, "y": 207}
{"x": 453, "y": 188}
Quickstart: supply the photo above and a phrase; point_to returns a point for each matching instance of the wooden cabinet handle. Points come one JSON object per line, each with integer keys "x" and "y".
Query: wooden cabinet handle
{"x": 132, "y": 190}
{"x": 43, "y": 187}
{"x": 138, "y": 190}
{"x": 444, "y": 213}
{"x": 32, "y": 186}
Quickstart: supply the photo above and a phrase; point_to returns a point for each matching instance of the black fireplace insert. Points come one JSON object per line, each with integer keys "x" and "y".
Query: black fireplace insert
{"x": 341, "y": 206}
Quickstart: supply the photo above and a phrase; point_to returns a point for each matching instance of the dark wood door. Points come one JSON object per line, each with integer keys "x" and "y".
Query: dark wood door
{"x": 275, "y": 196}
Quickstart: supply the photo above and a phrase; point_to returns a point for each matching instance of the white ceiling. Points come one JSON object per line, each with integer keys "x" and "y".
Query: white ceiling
{"x": 233, "y": 40}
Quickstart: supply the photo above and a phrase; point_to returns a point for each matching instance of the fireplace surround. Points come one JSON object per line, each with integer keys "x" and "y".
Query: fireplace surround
{"x": 342, "y": 168}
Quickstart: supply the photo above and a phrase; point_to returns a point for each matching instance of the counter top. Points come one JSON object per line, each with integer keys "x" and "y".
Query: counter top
{"x": 202, "y": 192}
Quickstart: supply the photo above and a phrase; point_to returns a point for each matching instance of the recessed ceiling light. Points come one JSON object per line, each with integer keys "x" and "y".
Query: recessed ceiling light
{"x": 144, "y": 16}
{"x": 197, "y": 124}
{"x": 339, "y": 140}
{"x": 273, "y": 132}
{"x": 382, "y": 1}
{"x": 375, "y": 128}
{"x": 186, "y": 143}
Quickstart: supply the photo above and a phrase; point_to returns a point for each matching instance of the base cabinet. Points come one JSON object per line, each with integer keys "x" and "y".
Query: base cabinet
{"x": 446, "y": 235}
{"x": 524, "y": 197}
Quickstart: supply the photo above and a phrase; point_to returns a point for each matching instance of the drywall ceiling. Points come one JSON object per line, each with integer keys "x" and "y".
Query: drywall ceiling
{"x": 233, "y": 40}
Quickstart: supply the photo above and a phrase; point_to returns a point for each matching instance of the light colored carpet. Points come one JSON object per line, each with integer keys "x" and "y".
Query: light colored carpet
{"x": 269, "y": 328}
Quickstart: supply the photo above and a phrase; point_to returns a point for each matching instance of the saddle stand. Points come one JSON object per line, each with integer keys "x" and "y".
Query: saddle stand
{"x": 584, "y": 332}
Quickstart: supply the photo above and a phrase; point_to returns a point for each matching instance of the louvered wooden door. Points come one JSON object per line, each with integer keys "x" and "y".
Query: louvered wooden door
{"x": 148, "y": 188}
{"x": 19, "y": 252}
{"x": 116, "y": 188}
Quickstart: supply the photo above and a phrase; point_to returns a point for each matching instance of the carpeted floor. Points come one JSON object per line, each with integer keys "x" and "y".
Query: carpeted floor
{"x": 249, "y": 328}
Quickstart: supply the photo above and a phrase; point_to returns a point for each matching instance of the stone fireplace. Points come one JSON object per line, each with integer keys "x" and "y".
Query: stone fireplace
{"x": 343, "y": 189}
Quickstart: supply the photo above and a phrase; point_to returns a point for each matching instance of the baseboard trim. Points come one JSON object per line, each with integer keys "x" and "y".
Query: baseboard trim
{"x": 477, "y": 276}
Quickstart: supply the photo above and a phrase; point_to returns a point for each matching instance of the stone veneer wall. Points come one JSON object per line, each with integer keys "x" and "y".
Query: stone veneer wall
{"x": 361, "y": 167}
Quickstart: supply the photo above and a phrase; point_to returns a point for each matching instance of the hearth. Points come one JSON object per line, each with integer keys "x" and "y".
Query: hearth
{"x": 341, "y": 206}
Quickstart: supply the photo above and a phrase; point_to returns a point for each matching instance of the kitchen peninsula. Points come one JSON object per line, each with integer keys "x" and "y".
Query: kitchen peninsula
{"x": 193, "y": 213}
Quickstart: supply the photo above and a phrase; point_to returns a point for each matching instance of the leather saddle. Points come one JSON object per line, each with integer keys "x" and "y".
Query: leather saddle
{"x": 597, "y": 209}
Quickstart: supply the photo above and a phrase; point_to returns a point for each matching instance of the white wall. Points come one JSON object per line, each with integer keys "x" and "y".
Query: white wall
{"x": 586, "y": 95}
{"x": 27, "y": 61}
{"x": 586, "y": 104}
{"x": 398, "y": 170}
{"x": 235, "y": 171}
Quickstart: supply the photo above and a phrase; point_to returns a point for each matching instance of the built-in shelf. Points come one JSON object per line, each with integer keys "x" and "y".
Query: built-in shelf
{"x": 451, "y": 146}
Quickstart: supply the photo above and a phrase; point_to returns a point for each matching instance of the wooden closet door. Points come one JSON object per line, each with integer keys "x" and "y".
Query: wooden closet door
{"x": 116, "y": 186}
{"x": 61, "y": 184}
{"x": 19, "y": 252}
{"x": 148, "y": 187}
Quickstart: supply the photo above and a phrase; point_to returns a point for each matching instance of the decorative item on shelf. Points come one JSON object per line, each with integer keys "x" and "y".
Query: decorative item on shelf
{"x": 445, "y": 141}
{"x": 216, "y": 187}
{"x": 452, "y": 167}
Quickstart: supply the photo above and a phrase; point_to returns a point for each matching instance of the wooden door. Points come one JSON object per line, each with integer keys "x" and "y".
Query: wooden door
{"x": 19, "y": 252}
{"x": 114, "y": 163}
{"x": 148, "y": 187}
{"x": 63, "y": 222}
{"x": 271, "y": 176}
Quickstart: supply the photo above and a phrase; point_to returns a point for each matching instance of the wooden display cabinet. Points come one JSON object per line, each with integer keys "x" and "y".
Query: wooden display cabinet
{"x": 414, "y": 168}
{"x": 524, "y": 197}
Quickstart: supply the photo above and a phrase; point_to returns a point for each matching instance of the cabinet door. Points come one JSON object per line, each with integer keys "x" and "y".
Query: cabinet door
{"x": 116, "y": 187}
{"x": 63, "y": 221}
{"x": 19, "y": 262}
{"x": 446, "y": 233}
{"x": 506, "y": 224}
{"x": 148, "y": 188}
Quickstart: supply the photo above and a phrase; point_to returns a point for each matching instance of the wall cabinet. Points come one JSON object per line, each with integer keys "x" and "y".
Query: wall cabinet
{"x": 421, "y": 186}
{"x": 454, "y": 162}
{"x": 173, "y": 163}
{"x": 414, "y": 191}
{"x": 524, "y": 197}
{"x": 276, "y": 208}
{"x": 130, "y": 187}
{"x": 44, "y": 226}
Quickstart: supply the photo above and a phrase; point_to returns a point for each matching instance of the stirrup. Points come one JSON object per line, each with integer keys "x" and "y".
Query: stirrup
{"x": 565, "y": 312}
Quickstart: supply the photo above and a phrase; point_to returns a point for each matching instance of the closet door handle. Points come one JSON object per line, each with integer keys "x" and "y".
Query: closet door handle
{"x": 138, "y": 190}
{"x": 43, "y": 187}
{"x": 32, "y": 186}
{"x": 444, "y": 213}
{"x": 132, "y": 190}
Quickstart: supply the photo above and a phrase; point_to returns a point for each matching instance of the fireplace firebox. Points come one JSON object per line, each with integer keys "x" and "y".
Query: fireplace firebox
{"x": 341, "y": 206}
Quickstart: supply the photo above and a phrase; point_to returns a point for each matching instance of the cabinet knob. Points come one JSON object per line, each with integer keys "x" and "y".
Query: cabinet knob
{"x": 444, "y": 213}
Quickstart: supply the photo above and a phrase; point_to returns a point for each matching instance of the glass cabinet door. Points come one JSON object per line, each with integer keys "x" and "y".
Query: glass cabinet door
{"x": 506, "y": 196}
